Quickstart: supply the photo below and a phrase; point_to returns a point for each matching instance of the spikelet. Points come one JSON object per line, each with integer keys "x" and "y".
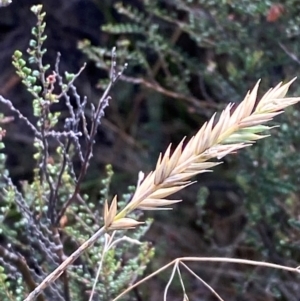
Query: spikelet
{"x": 214, "y": 140}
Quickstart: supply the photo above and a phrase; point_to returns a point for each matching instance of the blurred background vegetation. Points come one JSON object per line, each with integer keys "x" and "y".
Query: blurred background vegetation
{"x": 186, "y": 60}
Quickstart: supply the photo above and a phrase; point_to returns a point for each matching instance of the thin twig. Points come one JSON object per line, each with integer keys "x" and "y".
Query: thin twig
{"x": 210, "y": 259}
{"x": 62, "y": 267}
{"x": 61, "y": 255}
{"x": 197, "y": 103}
{"x": 202, "y": 281}
{"x": 170, "y": 280}
{"x": 102, "y": 104}
{"x": 108, "y": 241}
{"x": 289, "y": 53}
{"x": 22, "y": 266}
{"x": 9, "y": 104}
{"x": 74, "y": 131}
{"x": 45, "y": 108}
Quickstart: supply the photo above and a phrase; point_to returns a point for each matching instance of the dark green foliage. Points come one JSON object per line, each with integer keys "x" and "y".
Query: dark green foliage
{"x": 46, "y": 219}
{"x": 228, "y": 45}
{"x": 192, "y": 57}
{"x": 269, "y": 177}
{"x": 200, "y": 55}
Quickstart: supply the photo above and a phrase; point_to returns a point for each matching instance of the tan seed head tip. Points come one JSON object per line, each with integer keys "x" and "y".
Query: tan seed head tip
{"x": 155, "y": 208}
{"x": 124, "y": 224}
{"x": 109, "y": 213}
{"x": 157, "y": 204}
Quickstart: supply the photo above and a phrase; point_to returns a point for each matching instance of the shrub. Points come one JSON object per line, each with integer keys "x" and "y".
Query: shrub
{"x": 50, "y": 230}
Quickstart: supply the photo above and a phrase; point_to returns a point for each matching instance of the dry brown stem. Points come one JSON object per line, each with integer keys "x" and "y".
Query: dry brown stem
{"x": 211, "y": 259}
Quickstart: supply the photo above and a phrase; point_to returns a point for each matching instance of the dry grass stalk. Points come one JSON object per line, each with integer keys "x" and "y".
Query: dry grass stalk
{"x": 214, "y": 140}
{"x": 173, "y": 172}
{"x": 181, "y": 260}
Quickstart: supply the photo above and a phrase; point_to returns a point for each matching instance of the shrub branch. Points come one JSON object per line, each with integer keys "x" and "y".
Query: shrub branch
{"x": 99, "y": 112}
